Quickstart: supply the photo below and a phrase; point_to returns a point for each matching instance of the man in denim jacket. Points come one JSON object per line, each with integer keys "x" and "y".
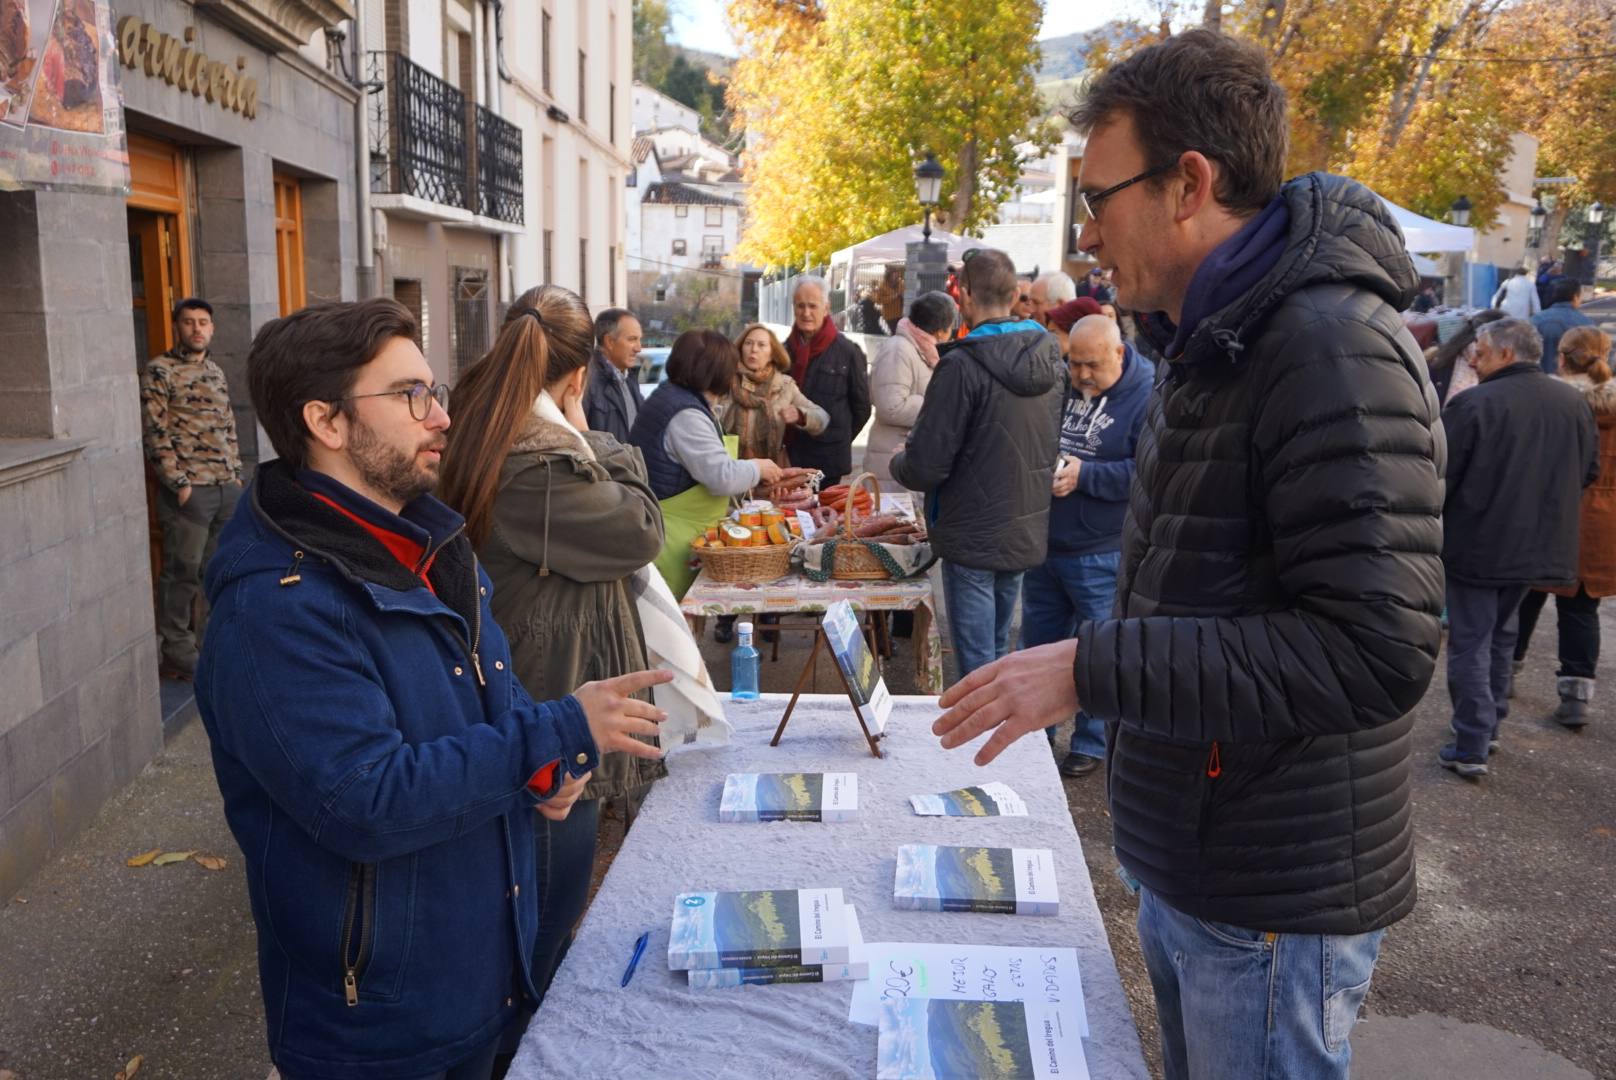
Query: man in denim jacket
{"x": 379, "y": 764}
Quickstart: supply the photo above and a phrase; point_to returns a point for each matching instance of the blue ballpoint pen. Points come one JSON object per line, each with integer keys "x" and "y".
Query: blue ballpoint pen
{"x": 634, "y": 961}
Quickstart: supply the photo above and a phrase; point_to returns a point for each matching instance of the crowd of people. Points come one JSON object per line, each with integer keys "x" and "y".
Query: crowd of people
{"x": 1219, "y": 509}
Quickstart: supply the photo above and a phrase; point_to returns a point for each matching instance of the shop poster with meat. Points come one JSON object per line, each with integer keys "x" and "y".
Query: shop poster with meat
{"x": 61, "y": 110}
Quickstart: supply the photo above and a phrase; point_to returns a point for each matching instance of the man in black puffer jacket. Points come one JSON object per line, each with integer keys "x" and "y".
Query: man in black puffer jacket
{"x": 983, "y": 450}
{"x": 1278, "y": 601}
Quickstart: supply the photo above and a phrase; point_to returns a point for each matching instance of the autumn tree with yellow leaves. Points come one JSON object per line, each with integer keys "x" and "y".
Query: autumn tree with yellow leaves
{"x": 841, "y": 99}
{"x": 1420, "y": 99}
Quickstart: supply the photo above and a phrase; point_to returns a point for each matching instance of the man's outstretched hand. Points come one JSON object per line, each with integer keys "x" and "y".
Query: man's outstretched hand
{"x": 1024, "y": 692}
{"x": 615, "y": 715}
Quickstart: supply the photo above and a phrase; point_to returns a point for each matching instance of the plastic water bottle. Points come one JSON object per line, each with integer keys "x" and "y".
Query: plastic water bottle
{"x": 743, "y": 666}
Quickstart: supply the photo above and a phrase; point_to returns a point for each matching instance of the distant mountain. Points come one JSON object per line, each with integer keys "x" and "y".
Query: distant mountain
{"x": 1063, "y": 56}
{"x": 717, "y": 63}
{"x": 1066, "y": 57}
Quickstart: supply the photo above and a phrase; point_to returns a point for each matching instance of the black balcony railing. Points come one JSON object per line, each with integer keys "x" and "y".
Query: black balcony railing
{"x": 426, "y": 140}
{"x": 499, "y": 168}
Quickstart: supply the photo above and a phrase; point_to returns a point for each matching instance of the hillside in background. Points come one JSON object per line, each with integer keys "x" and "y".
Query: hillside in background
{"x": 1063, "y": 57}
{"x": 717, "y": 63}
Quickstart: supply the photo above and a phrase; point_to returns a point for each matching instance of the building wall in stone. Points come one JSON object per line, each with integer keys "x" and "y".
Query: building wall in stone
{"x": 79, "y": 713}
{"x": 78, "y": 664}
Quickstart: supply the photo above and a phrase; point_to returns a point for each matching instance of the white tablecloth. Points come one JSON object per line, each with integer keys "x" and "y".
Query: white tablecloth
{"x": 659, "y": 1027}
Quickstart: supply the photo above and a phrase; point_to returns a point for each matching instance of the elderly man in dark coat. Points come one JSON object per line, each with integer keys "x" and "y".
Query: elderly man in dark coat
{"x": 834, "y": 374}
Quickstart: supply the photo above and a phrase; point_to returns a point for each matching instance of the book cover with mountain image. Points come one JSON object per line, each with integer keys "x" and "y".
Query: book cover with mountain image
{"x": 986, "y": 800}
{"x": 857, "y": 967}
{"x": 857, "y": 663}
{"x": 758, "y": 928}
{"x": 1009, "y": 881}
{"x": 926, "y": 1039}
{"x": 789, "y": 797}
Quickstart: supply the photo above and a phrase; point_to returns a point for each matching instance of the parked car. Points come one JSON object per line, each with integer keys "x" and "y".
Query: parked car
{"x": 653, "y": 369}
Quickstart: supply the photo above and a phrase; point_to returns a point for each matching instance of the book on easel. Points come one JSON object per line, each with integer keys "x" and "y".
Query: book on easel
{"x": 855, "y": 664}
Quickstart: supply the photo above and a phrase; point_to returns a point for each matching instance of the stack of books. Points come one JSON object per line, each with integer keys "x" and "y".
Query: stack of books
{"x": 766, "y": 936}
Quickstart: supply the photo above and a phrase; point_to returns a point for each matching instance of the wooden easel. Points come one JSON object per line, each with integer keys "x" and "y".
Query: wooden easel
{"x": 813, "y": 658}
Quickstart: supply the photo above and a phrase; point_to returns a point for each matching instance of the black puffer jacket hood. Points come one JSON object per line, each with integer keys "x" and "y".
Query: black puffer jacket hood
{"x": 983, "y": 449}
{"x": 1341, "y": 234}
{"x": 1279, "y": 594}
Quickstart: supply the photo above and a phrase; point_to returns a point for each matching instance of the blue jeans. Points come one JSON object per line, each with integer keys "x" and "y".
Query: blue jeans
{"x": 980, "y": 604}
{"x": 478, "y": 1066}
{"x": 564, "y": 858}
{"x": 1055, "y": 598}
{"x": 1482, "y": 627}
{"x": 1238, "y": 1004}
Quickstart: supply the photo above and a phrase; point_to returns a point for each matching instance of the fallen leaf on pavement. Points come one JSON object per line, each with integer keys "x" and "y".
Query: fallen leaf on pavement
{"x": 210, "y": 862}
{"x": 142, "y": 860}
{"x": 130, "y": 1069}
{"x": 168, "y": 858}
{"x": 7, "y": 1074}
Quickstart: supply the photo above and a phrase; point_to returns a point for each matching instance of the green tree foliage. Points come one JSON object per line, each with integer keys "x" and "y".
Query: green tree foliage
{"x": 1420, "y": 98}
{"x": 653, "y": 56}
{"x": 664, "y": 68}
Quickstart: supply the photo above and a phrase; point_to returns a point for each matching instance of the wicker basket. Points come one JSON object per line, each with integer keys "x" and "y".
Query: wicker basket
{"x": 857, "y": 561}
{"x": 746, "y": 565}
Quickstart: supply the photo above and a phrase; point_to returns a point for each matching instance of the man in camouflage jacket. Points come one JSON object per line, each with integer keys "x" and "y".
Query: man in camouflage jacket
{"x": 190, "y": 439}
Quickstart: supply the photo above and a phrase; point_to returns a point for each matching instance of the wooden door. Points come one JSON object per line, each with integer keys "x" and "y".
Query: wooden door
{"x": 159, "y": 271}
{"x": 289, "y": 242}
{"x": 154, "y": 274}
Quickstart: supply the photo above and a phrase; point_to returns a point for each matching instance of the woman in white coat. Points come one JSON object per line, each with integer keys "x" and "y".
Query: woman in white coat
{"x": 900, "y": 376}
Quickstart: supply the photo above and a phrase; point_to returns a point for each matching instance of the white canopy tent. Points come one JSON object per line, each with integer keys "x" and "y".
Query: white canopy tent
{"x": 1424, "y": 267}
{"x": 891, "y": 247}
{"x": 1425, "y": 235}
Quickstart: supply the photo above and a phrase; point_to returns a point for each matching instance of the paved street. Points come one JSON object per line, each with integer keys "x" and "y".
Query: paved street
{"x": 1506, "y": 969}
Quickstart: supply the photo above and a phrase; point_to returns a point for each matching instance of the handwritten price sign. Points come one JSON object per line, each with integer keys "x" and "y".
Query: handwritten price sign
{"x": 902, "y": 970}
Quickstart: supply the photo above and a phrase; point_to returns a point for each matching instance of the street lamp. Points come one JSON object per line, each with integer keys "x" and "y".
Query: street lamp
{"x": 1596, "y": 218}
{"x": 1459, "y": 214}
{"x": 1460, "y": 211}
{"x": 928, "y": 187}
{"x": 1534, "y": 232}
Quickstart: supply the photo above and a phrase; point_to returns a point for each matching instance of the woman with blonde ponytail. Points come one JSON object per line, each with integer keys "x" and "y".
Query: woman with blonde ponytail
{"x": 1585, "y": 364}
{"x": 561, "y": 518}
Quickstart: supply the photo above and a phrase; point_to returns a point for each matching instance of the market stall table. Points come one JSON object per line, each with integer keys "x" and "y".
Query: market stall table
{"x": 658, "y": 1025}
{"x": 795, "y": 594}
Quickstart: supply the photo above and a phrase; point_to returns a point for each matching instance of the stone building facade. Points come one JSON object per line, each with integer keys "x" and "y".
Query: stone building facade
{"x": 244, "y": 196}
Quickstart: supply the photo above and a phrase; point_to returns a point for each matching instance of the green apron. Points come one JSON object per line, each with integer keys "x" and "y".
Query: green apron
{"x": 686, "y": 516}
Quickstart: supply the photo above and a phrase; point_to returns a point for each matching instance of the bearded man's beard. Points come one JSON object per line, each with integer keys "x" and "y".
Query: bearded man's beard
{"x": 398, "y": 475}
